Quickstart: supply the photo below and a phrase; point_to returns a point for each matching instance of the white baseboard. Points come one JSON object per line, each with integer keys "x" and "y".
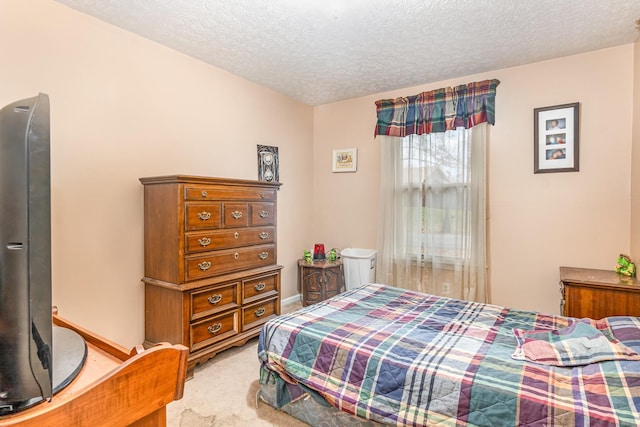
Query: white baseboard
{"x": 290, "y": 300}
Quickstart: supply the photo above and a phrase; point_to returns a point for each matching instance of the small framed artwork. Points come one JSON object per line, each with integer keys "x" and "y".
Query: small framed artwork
{"x": 345, "y": 160}
{"x": 268, "y": 164}
{"x": 556, "y": 137}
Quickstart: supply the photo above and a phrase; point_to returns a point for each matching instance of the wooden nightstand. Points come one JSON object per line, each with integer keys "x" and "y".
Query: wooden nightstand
{"x": 320, "y": 280}
{"x": 598, "y": 293}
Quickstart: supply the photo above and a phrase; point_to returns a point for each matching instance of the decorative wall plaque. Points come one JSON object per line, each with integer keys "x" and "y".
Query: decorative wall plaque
{"x": 268, "y": 165}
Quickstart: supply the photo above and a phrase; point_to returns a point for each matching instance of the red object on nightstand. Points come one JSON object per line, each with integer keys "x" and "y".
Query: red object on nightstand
{"x": 318, "y": 251}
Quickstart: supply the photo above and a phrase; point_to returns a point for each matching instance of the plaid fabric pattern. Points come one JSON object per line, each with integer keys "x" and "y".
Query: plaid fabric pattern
{"x": 409, "y": 359}
{"x": 438, "y": 110}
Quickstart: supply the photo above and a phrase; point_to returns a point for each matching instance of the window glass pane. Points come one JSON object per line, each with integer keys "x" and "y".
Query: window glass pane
{"x": 436, "y": 180}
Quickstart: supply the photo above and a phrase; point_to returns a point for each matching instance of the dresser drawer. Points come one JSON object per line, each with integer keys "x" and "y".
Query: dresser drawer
{"x": 224, "y": 239}
{"x": 228, "y": 260}
{"x": 263, "y": 214}
{"x": 228, "y": 193}
{"x": 236, "y": 214}
{"x": 199, "y": 216}
{"x": 257, "y": 314}
{"x": 259, "y": 288}
{"x": 214, "y": 300}
{"x": 214, "y": 329}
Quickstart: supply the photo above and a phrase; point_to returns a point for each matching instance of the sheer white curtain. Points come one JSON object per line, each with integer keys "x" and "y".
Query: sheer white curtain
{"x": 432, "y": 235}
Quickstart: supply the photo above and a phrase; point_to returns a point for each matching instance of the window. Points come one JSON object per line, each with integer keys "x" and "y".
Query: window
{"x": 433, "y": 212}
{"x": 432, "y": 235}
{"x": 436, "y": 174}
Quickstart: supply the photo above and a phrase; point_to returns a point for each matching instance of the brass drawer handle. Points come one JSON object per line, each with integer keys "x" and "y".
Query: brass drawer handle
{"x": 204, "y": 265}
{"x": 263, "y": 195}
{"x": 263, "y": 235}
{"x": 260, "y": 286}
{"x": 236, "y": 255}
{"x": 214, "y": 299}
{"x": 236, "y": 235}
{"x": 203, "y": 193}
{"x": 263, "y": 255}
{"x": 263, "y": 214}
{"x": 260, "y": 312}
{"x": 204, "y": 215}
{"x": 236, "y": 214}
{"x": 215, "y": 328}
{"x": 205, "y": 241}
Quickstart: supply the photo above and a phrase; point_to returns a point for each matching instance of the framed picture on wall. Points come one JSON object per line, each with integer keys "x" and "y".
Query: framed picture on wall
{"x": 345, "y": 160}
{"x": 556, "y": 136}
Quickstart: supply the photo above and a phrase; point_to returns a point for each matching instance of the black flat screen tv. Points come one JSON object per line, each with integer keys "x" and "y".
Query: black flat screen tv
{"x": 29, "y": 343}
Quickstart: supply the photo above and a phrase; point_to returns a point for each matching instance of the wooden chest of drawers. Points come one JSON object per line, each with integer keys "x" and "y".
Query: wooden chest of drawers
{"x": 211, "y": 274}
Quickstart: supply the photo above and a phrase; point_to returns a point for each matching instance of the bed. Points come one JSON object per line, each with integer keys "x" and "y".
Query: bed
{"x": 382, "y": 355}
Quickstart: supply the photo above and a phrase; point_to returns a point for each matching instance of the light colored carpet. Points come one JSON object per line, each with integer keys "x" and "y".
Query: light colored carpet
{"x": 223, "y": 392}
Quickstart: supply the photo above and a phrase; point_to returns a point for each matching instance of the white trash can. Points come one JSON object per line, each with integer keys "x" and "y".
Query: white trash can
{"x": 359, "y": 267}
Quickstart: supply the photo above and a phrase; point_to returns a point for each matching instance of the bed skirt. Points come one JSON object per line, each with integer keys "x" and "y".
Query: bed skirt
{"x": 307, "y": 408}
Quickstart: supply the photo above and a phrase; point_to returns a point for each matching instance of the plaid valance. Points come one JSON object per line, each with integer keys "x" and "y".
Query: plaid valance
{"x": 438, "y": 110}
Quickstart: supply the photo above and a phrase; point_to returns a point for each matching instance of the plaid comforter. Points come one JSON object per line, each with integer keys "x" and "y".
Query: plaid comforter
{"x": 404, "y": 358}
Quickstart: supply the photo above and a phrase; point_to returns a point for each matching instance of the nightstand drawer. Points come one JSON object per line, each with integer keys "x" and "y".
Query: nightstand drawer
{"x": 214, "y": 300}
{"x": 214, "y": 329}
{"x": 257, "y": 314}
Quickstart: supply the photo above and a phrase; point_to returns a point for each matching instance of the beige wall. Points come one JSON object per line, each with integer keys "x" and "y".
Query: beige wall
{"x": 635, "y": 156}
{"x": 538, "y": 222}
{"x": 123, "y": 107}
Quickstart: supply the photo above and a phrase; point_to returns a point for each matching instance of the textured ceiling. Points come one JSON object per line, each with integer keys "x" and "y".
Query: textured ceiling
{"x": 320, "y": 51}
